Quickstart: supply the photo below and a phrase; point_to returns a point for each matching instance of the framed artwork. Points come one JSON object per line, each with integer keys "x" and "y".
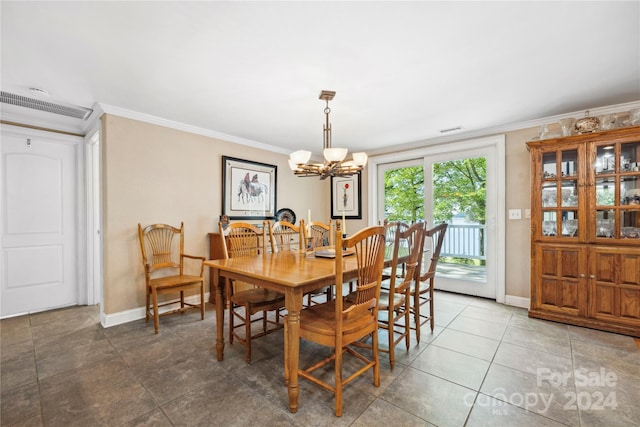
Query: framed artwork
{"x": 346, "y": 197}
{"x": 248, "y": 189}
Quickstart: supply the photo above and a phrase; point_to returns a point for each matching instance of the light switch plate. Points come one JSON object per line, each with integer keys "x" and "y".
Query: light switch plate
{"x": 515, "y": 213}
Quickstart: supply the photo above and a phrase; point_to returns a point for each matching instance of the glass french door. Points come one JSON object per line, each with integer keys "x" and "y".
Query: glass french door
{"x": 402, "y": 185}
{"x": 461, "y": 189}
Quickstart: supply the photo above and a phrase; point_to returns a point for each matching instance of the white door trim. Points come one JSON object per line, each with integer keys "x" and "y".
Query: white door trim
{"x": 497, "y": 141}
{"x": 93, "y": 217}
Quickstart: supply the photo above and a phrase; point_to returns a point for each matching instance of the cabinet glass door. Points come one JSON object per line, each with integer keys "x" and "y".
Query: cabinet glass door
{"x": 560, "y": 195}
{"x": 616, "y": 172}
{"x": 630, "y": 190}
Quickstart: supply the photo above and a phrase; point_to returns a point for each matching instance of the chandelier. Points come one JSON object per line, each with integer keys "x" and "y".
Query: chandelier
{"x": 333, "y": 157}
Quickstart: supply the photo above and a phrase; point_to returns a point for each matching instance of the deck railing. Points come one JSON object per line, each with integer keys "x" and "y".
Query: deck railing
{"x": 465, "y": 241}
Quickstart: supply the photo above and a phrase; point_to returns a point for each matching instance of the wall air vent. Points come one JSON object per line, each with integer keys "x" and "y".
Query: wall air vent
{"x": 50, "y": 107}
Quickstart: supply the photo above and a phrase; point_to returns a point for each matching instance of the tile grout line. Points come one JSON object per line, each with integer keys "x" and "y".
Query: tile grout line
{"x": 137, "y": 378}
{"x": 35, "y": 362}
{"x": 575, "y": 387}
{"x": 506, "y": 402}
{"x": 487, "y": 373}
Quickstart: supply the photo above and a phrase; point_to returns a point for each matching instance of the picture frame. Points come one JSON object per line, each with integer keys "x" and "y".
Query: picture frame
{"x": 249, "y": 189}
{"x": 346, "y": 196}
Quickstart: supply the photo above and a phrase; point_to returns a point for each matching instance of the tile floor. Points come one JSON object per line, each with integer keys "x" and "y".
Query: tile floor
{"x": 486, "y": 364}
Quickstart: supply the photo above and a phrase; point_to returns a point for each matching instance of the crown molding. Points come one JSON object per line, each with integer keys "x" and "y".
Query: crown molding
{"x": 147, "y": 118}
{"x": 19, "y": 115}
{"x": 479, "y": 133}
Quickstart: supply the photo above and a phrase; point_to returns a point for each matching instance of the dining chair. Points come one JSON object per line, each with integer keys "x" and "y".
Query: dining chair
{"x": 395, "y": 304}
{"x": 163, "y": 259}
{"x": 246, "y": 300}
{"x": 284, "y": 236}
{"x": 391, "y": 228}
{"x": 338, "y": 324}
{"x": 321, "y": 235}
{"x": 422, "y": 292}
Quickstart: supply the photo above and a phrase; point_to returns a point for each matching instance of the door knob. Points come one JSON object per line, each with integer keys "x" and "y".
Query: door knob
{"x": 592, "y": 276}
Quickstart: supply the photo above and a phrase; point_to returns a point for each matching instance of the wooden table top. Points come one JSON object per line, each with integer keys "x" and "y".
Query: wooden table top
{"x": 288, "y": 269}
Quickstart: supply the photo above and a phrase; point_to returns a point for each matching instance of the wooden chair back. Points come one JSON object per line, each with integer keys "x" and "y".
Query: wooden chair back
{"x": 408, "y": 244}
{"x": 391, "y": 228}
{"x": 320, "y": 234}
{"x": 243, "y": 239}
{"x": 368, "y": 245}
{"x": 162, "y": 247}
{"x": 433, "y": 237}
{"x": 284, "y": 236}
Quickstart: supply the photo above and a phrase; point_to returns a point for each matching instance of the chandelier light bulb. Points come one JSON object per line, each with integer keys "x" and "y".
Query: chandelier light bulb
{"x": 300, "y": 157}
{"x": 335, "y": 154}
{"x": 360, "y": 159}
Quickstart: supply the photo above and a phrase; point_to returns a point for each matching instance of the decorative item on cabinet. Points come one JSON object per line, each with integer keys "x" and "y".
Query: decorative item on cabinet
{"x": 566, "y": 125}
{"x": 587, "y": 124}
{"x": 608, "y": 121}
{"x": 634, "y": 117}
{"x": 543, "y": 132}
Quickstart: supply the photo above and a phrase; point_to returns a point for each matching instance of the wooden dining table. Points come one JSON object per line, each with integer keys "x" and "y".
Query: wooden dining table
{"x": 292, "y": 273}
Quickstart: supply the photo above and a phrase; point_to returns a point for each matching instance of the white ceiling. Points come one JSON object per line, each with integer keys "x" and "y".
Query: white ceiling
{"x": 253, "y": 70}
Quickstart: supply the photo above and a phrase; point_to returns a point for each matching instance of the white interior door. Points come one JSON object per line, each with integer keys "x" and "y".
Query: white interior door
{"x": 39, "y": 223}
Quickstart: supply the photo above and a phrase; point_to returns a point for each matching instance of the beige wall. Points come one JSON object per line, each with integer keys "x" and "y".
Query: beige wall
{"x": 156, "y": 174}
{"x": 518, "y": 196}
{"x": 153, "y": 174}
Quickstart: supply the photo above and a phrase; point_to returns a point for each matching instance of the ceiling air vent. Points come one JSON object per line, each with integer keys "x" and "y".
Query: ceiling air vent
{"x": 50, "y": 107}
{"x": 453, "y": 129}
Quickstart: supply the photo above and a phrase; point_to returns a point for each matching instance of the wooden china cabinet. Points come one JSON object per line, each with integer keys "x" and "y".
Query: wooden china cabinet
{"x": 585, "y": 230}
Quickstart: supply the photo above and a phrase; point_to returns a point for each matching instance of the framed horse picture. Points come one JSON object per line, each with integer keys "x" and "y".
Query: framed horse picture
{"x": 248, "y": 189}
{"x": 345, "y": 197}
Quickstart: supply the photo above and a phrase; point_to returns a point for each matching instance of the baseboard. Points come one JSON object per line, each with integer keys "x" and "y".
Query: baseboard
{"x": 517, "y": 301}
{"x": 114, "y": 319}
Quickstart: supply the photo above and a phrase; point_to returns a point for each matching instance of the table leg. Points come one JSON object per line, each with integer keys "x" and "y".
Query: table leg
{"x": 293, "y": 302}
{"x": 219, "y": 314}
